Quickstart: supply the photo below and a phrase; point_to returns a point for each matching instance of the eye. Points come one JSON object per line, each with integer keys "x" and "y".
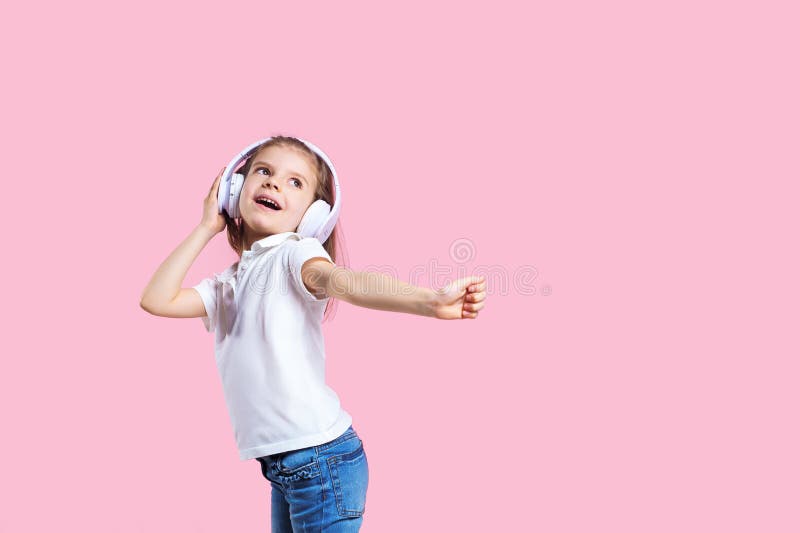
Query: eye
{"x": 299, "y": 183}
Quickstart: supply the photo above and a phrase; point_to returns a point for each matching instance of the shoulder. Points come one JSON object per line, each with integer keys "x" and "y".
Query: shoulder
{"x": 301, "y": 250}
{"x": 310, "y": 266}
{"x": 216, "y": 279}
{"x": 296, "y": 240}
{"x": 226, "y": 274}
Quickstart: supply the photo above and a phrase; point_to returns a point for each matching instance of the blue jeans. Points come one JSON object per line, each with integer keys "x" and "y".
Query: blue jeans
{"x": 320, "y": 488}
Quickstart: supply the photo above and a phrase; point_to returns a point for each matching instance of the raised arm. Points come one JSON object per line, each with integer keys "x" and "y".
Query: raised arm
{"x": 462, "y": 298}
{"x": 161, "y": 295}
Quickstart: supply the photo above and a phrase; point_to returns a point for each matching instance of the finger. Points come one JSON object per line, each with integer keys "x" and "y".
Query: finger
{"x": 477, "y": 307}
{"x": 215, "y": 185}
{"x": 221, "y": 172}
{"x": 474, "y": 307}
{"x": 476, "y": 296}
{"x": 469, "y": 314}
{"x": 478, "y": 285}
{"x": 463, "y": 284}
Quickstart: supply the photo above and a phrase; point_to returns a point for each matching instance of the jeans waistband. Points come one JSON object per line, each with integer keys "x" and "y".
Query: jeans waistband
{"x": 349, "y": 433}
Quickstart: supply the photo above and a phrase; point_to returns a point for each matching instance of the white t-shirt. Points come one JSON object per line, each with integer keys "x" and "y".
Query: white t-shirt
{"x": 270, "y": 350}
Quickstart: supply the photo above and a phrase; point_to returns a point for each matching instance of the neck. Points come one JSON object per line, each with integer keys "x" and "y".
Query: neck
{"x": 248, "y": 239}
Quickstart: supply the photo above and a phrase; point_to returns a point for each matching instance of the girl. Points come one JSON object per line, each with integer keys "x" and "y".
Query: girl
{"x": 266, "y": 311}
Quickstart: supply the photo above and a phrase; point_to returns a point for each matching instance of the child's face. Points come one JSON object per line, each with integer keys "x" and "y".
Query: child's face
{"x": 288, "y": 178}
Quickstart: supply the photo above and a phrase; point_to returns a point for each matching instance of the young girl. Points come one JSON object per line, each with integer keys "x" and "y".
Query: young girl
{"x": 266, "y": 311}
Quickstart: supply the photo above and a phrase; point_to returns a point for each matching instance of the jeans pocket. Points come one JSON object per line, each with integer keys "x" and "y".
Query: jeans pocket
{"x": 295, "y": 465}
{"x": 350, "y": 477}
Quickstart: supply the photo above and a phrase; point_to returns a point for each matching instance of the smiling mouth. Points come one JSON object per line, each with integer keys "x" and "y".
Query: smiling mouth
{"x": 268, "y": 205}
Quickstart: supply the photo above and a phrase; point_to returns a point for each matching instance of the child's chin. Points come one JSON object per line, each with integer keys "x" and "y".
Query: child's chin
{"x": 270, "y": 229}
{"x": 259, "y": 226}
{"x": 271, "y": 222}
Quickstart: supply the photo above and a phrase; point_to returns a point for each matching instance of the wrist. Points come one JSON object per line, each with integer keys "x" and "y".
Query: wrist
{"x": 206, "y": 230}
{"x": 428, "y": 307}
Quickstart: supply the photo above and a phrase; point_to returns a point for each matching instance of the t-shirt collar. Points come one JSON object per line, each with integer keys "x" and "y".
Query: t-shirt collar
{"x": 270, "y": 241}
{"x": 229, "y": 274}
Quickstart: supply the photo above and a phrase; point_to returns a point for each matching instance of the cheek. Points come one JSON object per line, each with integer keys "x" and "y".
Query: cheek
{"x": 249, "y": 189}
{"x": 301, "y": 200}
{"x": 308, "y": 198}
{"x": 245, "y": 193}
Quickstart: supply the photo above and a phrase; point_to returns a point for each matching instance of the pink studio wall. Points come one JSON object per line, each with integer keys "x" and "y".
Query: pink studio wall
{"x": 625, "y": 171}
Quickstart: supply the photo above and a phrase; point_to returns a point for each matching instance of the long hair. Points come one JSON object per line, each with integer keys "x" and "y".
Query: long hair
{"x": 334, "y": 245}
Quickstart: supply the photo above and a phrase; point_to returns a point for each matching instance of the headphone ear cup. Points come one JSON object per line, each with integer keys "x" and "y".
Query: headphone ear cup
{"x": 222, "y": 195}
{"x": 314, "y": 218}
{"x": 237, "y": 180}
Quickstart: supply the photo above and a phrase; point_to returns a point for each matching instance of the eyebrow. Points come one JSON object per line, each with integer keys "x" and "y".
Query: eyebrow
{"x": 268, "y": 164}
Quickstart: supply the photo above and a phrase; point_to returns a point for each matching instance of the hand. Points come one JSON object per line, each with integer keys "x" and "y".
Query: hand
{"x": 462, "y": 298}
{"x": 212, "y": 218}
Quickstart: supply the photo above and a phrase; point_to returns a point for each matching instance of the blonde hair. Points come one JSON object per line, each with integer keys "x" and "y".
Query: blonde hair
{"x": 334, "y": 244}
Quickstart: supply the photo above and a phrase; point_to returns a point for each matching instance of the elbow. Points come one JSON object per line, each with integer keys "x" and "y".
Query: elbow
{"x": 144, "y": 301}
{"x": 147, "y": 306}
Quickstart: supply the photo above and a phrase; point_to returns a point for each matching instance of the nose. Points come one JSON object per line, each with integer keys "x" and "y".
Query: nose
{"x": 270, "y": 183}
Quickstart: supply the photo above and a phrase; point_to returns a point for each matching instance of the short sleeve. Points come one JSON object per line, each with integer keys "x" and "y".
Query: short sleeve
{"x": 208, "y": 292}
{"x": 302, "y": 251}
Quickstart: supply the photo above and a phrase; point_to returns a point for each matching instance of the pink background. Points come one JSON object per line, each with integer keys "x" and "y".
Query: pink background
{"x": 640, "y": 158}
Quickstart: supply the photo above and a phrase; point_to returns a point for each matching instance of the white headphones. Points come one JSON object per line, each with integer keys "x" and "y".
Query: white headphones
{"x": 318, "y": 220}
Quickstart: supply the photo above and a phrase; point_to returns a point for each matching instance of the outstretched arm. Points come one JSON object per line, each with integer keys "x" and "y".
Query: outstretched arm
{"x": 462, "y": 298}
